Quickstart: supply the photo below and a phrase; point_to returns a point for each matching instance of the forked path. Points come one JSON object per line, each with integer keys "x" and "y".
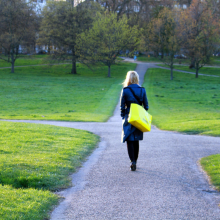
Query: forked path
{"x": 168, "y": 183}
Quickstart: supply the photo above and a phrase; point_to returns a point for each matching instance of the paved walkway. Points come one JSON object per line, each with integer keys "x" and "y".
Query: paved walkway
{"x": 168, "y": 183}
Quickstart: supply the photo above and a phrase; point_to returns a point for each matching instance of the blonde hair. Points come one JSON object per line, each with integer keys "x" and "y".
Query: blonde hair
{"x": 132, "y": 77}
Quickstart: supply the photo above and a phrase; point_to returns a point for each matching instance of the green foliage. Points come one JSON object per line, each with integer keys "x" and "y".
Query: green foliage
{"x": 61, "y": 26}
{"x": 106, "y": 39}
{"x": 51, "y": 93}
{"x": 25, "y": 204}
{"x": 186, "y": 104}
{"x": 163, "y": 36}
{"x": 211, "y": 165}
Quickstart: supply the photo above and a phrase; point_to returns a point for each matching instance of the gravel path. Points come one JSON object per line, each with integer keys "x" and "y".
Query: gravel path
{"x": 168, "y": 183}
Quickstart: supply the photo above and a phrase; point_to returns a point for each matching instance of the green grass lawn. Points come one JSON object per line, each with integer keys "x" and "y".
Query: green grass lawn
{"x": 204, "y": 70}
{"x": 25, "y": 204}
{"x": 52, "y": 93}
{"x": 26, "y": 60}
{"x": 215, "y": 61}
{"x": 211, "y": 165}
{"x": 185, "y": 104}
{"x": 35, "y": 159}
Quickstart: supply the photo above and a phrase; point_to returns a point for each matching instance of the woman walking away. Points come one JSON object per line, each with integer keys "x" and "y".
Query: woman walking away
{"x": 132, "y": 93}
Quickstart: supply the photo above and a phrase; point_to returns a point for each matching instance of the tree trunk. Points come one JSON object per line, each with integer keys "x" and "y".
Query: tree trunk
{"x": 48, "y": 49}
{"x": 197, "y": 70}
{"x": 17, "y": 50}
{"x": 171, "y": 71}
{"x": 192, "y": 65}
{"x": 12, "y": 63}
{"x": 109, "y": 71}
{"x": 162, "y": 54}
{"x": 73, "y": 71}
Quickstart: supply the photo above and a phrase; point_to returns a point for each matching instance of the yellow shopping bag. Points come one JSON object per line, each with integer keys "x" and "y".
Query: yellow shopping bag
{"x": 139, "y": 118}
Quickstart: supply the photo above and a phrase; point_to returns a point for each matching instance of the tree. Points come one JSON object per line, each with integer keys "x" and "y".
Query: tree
{"x": 171, "y": 42}
{"x": 61, "y": 26}
{"x": 163, "y": 36}
{"x": 107, "y": 38}
{"x": 17, "y": 21}
{"x": 199, "y": 31}
{"x": 156, "y": 36}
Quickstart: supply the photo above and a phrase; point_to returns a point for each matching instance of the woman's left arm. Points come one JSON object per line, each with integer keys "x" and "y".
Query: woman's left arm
{"x": 145, "y": 101}
{"x": 122, "y": 104}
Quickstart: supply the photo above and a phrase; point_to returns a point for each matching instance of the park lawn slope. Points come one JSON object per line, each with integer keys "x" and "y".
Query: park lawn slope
{"x": 41, "y": 156}
{"x": 204, "y": 70}
{"x": 52, "y": 93}
{"x": 185, "y": 104}
{"x": 35, "y": 159}
{"x": 211, "y": 165}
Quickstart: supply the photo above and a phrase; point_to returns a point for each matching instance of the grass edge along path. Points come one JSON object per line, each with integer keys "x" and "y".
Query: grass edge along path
{"x": 35, "y": 160}
{"x": 185, "y": 104}
{"x": 211, "y": 166}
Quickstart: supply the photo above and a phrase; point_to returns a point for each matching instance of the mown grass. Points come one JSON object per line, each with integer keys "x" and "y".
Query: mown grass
{"x": 185, "y": 104}
{"x": 204, "y": 70}
{"x": 34, "y": 159}
{"x": 52, "y": 93}
{"x": 25, "y": 204}
{"x": 26, "y": 60}
{"x": 211, "y": 165}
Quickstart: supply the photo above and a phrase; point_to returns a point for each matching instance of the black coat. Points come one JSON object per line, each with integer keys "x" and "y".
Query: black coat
{"x": 129, "y": 132}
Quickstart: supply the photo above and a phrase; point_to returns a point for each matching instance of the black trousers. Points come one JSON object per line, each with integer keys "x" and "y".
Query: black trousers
{"x": 133, "y": 150}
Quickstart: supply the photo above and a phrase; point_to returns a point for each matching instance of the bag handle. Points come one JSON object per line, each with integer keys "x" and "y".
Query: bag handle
{"x": 136, "y": 97}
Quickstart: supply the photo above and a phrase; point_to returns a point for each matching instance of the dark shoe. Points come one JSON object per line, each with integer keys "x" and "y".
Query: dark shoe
{"x": 133, "y": 166}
